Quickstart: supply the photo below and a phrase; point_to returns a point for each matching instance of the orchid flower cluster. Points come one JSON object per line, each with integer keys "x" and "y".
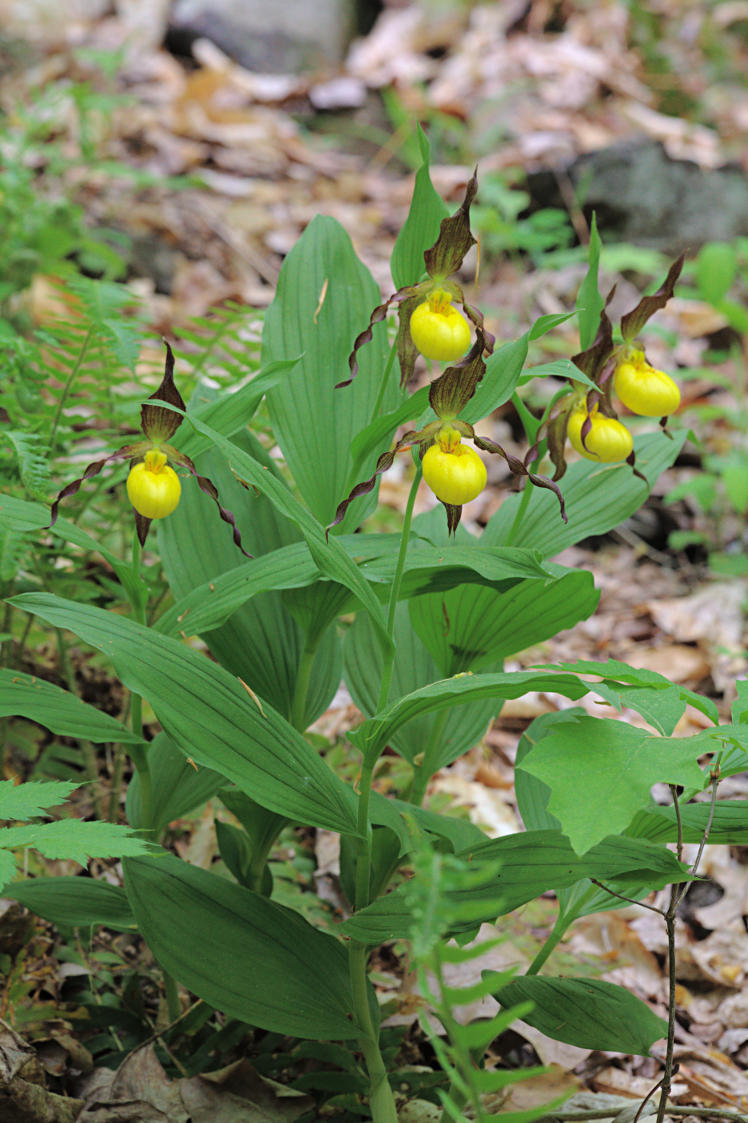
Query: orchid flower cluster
{"x": 430, "y": 324}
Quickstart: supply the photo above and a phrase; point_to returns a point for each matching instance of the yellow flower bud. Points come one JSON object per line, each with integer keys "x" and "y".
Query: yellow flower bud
{"x": 438, "y": 330}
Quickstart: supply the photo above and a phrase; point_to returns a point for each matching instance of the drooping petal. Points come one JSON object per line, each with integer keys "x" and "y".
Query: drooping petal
{"x": 517, "y": 468}
{"x": 210, "y": 489}
{"x": 127, "y": 452}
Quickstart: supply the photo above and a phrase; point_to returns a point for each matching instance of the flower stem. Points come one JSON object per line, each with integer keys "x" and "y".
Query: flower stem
{"x": 139, "y": 753}
{"x": 397, "y": 579}
{"x": 381, "y": 1099}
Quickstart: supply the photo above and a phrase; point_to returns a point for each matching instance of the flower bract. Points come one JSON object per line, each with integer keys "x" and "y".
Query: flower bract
{"x": 599, "y": 438}
{"x": 153, "y": 487}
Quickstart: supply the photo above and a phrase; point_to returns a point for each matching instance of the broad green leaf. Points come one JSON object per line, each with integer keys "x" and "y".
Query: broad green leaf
{"x": 210, "y": 604}
{"x": 474, "y": 628}
{"x": 178, "y": 786}
{"x": 528, "y": 864}
{"x": 502, "y": 566}
{"x": 27, "y": 696}
{"x": 583, "y": 898}
{"x": 449, "y": 735}
{"x": 75, "y": 839}
{"x": 729, "y": 823}
{"x": 598, "y": 498}
{"x": 504, "y": 369}
{"x": 375, "y": 437}
{"x": 616, "y": 764}
{"x": 261, "y": 642}
{"x": 642, "y": 690}
{"x": 75, "y": 902}
{"x": 32, "y": 798}
{"x": 328, "y": 555}
{"x": 421, "y": 228}
{"x": 246, "y": 956}
{"x": 18, "y": 514}
{"x": 590, "y": 1013}
{"x": 456, "y": 691}
{"x": 210, "y": 716}
{"x": 323, "y": 301}
{"x": 589, "y": 301}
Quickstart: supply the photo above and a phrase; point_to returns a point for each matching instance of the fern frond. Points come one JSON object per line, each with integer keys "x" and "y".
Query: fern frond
{"x": 32, "y": 462}
{"x": 227, "y": 343}
{"x": 13, "y": 546}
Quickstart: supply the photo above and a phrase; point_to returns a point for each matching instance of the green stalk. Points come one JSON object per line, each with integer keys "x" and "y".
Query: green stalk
{"x": 381, "y": 1099}
{"x": 426, "y": 769}
{"x": 68, "y": 386}
{"x": 397, "y": 580}
{"x": 139, "y": 753}
{"x": 301, "y": 688}
{"x": 553, "y": 940}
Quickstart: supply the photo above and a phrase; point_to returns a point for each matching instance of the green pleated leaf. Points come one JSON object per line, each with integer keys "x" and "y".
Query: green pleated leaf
{"x": 617, "y": 765}
{"x": 323, "y": 301}
{"x": 178, "y": 786}
{"x": 375, "y": 437}
{"x": 261, "y": 642}
{"x": 75, "y": 902}
{"x": 246, "y": 956}
{"x": 728, "y": 824}
{"x": 503, "y": 371}
{"x": 210, "y": 716}
{"x": 27, "y": 696}
{"x": 421, "y": 228}
{"x": 589, "y": 301}
{"x": 210, "y": 604}
{"x": 598, "y": 498}
{"x": 329, "y": 556}
{"x": 473, "y": 628}
{"x": 589, "y": 1013}
{"x": 413, "y": 668}
{"x": 458, "y": 690}
{"x": 528, "y": 864}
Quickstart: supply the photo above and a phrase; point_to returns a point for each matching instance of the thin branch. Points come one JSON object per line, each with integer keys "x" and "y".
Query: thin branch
{"x": 630, "y": 900}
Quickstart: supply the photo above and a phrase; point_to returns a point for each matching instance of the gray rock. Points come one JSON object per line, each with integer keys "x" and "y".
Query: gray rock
{"x": 642, "y": 196}
{"x": 272, "y": 36}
